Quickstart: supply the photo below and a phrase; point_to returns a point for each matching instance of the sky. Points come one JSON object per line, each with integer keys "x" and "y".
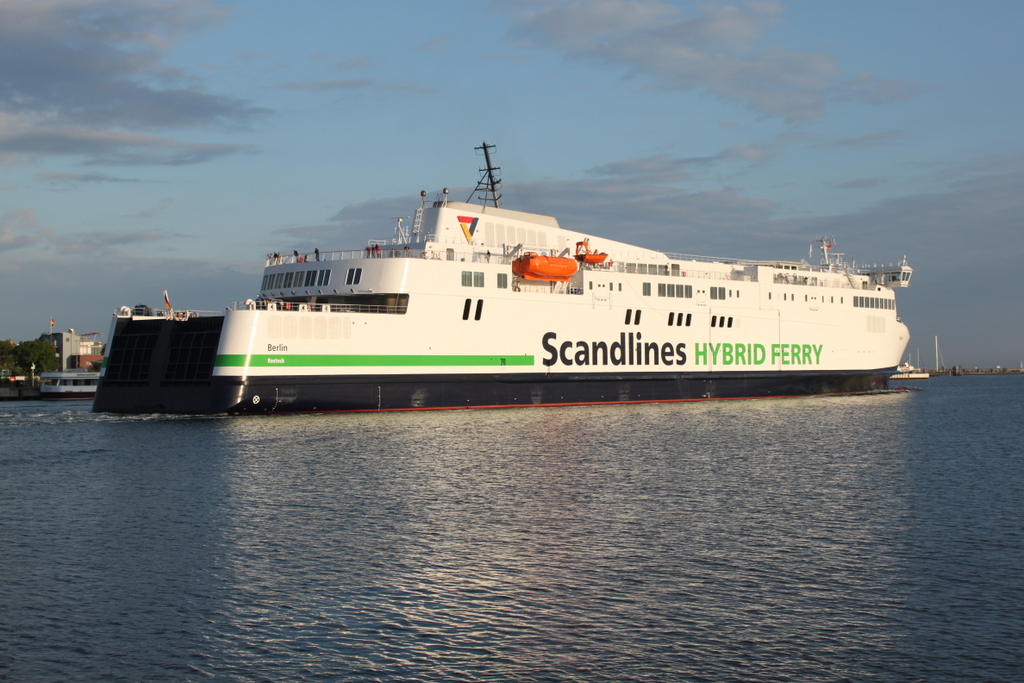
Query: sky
{"x": 171, "y": 144}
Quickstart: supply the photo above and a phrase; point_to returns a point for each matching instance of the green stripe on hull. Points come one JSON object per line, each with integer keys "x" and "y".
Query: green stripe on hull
{"x": 238, "y": 360}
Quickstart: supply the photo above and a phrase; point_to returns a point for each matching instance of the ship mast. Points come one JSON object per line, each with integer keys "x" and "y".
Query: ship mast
{"x": 489, "y": 182}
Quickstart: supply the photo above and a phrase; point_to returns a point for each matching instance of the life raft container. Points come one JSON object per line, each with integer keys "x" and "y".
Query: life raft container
{"x": 531, "y": 266}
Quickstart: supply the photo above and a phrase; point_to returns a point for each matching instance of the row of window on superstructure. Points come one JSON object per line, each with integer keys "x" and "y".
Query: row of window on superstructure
{"x": 874, "y": 302}
{"x": 300, "y": 278}
{"x": 476, "y": 279}
{"x": 680, "y": 319}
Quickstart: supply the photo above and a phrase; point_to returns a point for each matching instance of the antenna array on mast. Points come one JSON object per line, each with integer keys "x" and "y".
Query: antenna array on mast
{"x": 487, "y": 186}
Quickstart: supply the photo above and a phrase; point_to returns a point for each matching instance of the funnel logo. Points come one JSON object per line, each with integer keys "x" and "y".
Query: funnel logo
{"x": 468, "y": 224}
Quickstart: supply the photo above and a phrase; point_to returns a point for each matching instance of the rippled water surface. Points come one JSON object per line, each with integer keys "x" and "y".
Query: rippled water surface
{"x": 849, "y": 538}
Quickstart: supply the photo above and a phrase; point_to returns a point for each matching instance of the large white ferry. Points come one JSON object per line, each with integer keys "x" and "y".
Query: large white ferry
{"x": 477, "y": 306}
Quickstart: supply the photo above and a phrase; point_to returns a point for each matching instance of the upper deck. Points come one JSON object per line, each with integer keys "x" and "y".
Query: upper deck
{"x": 450, "y": 233}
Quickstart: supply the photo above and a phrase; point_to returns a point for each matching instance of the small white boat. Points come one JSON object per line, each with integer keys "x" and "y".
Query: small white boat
{"x": 908, "y": 371}
{"x": 69, "y": 384}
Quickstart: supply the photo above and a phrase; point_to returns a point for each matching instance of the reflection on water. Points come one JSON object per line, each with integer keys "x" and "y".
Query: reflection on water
{"x": 817, "y": 539}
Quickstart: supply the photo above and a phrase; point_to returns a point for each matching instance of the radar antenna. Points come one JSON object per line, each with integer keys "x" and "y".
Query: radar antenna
{"x": 489, "y": 182}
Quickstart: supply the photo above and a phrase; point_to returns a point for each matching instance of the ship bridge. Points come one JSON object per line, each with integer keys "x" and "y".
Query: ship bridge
{"x": 893, "y": 276}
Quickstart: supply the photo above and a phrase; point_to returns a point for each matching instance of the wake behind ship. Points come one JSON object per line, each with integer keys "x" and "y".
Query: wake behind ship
{"x": 477, "y": 306}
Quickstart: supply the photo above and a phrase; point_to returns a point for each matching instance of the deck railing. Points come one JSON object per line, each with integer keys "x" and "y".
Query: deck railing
{"x": 624, "y": 262}
{"x": 295, "y": 307}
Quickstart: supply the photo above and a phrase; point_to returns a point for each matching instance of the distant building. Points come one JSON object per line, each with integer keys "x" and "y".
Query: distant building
{"x": 75, "y": 350}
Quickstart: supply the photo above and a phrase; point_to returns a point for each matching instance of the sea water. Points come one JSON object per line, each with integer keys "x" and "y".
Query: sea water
{"x": 872, "y": 537}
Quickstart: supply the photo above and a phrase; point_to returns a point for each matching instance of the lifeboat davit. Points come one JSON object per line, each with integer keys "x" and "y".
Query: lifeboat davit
{"x": 531, "y": 266}
{"x": 585, "y": 255}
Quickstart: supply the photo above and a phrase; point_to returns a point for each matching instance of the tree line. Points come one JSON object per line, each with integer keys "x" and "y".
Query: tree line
{"x": 17, "y": 359}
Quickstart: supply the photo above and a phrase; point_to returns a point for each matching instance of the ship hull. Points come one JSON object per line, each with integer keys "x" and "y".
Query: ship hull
{"x": 307, "y": 394}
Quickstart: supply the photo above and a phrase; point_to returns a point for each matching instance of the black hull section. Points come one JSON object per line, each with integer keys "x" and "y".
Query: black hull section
{"x": 160, "y": 366}
{"x": 300, "y": 394}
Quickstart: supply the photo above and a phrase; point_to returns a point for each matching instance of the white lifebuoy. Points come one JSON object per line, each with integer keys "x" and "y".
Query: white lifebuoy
{"x": 303, "y": 307}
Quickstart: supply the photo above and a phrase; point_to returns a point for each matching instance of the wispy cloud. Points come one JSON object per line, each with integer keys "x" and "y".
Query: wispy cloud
{"x": 99, "y": 146}
{"x": 888, "y": 137}
{"x": 436, "y": 43}
{"x": 64, "y": 179}
{"x": 20, "y": 229}
{"x": 663, "y": 217}
{"x": 359, "y": 63}
{"x": 105, "y": 242}
{"x": 348, "y": 84}
{"x": 719, "y": 49}
{"x": 101, "y": 62}
{"x": 667, "y": 169}
{"x": 859, "y": 184}
{"x": 155, "y": 211}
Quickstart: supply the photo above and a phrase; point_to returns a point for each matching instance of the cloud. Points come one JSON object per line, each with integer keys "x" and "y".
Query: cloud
{"x": 722, "y": 221}
{"x": 436, "y": 43}
{"x": 102, "y": 242}
{"x": 656, "y": 216}
{"x": 82, "y": 77}
{"x": 871, "y": 90}
{"x": 859, "y": 184}
{"x": 965, "y": 225}
{"x": 360, "y": 63}
{"x": 107, "y": 146}
{"x": 348, "y": 84}
{"x": 888, "y": 137}
{"x": 668, "y": 169}
{"x": 718, "y": 49}
{"x": 100, "y": 62}
{"x": 63, "y": 179}
{"x": 165, "y": 203}
{"x": 19, "y": 230}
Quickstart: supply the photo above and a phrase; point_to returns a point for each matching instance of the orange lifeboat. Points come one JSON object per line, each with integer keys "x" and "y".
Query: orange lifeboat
{"x": 532, "y": 266}
{"x": 585, "y": 255}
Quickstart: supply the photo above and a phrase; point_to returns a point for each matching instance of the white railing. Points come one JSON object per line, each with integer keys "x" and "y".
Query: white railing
{"x": 144, "y": 311}
{"x": 296, "y": 307}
